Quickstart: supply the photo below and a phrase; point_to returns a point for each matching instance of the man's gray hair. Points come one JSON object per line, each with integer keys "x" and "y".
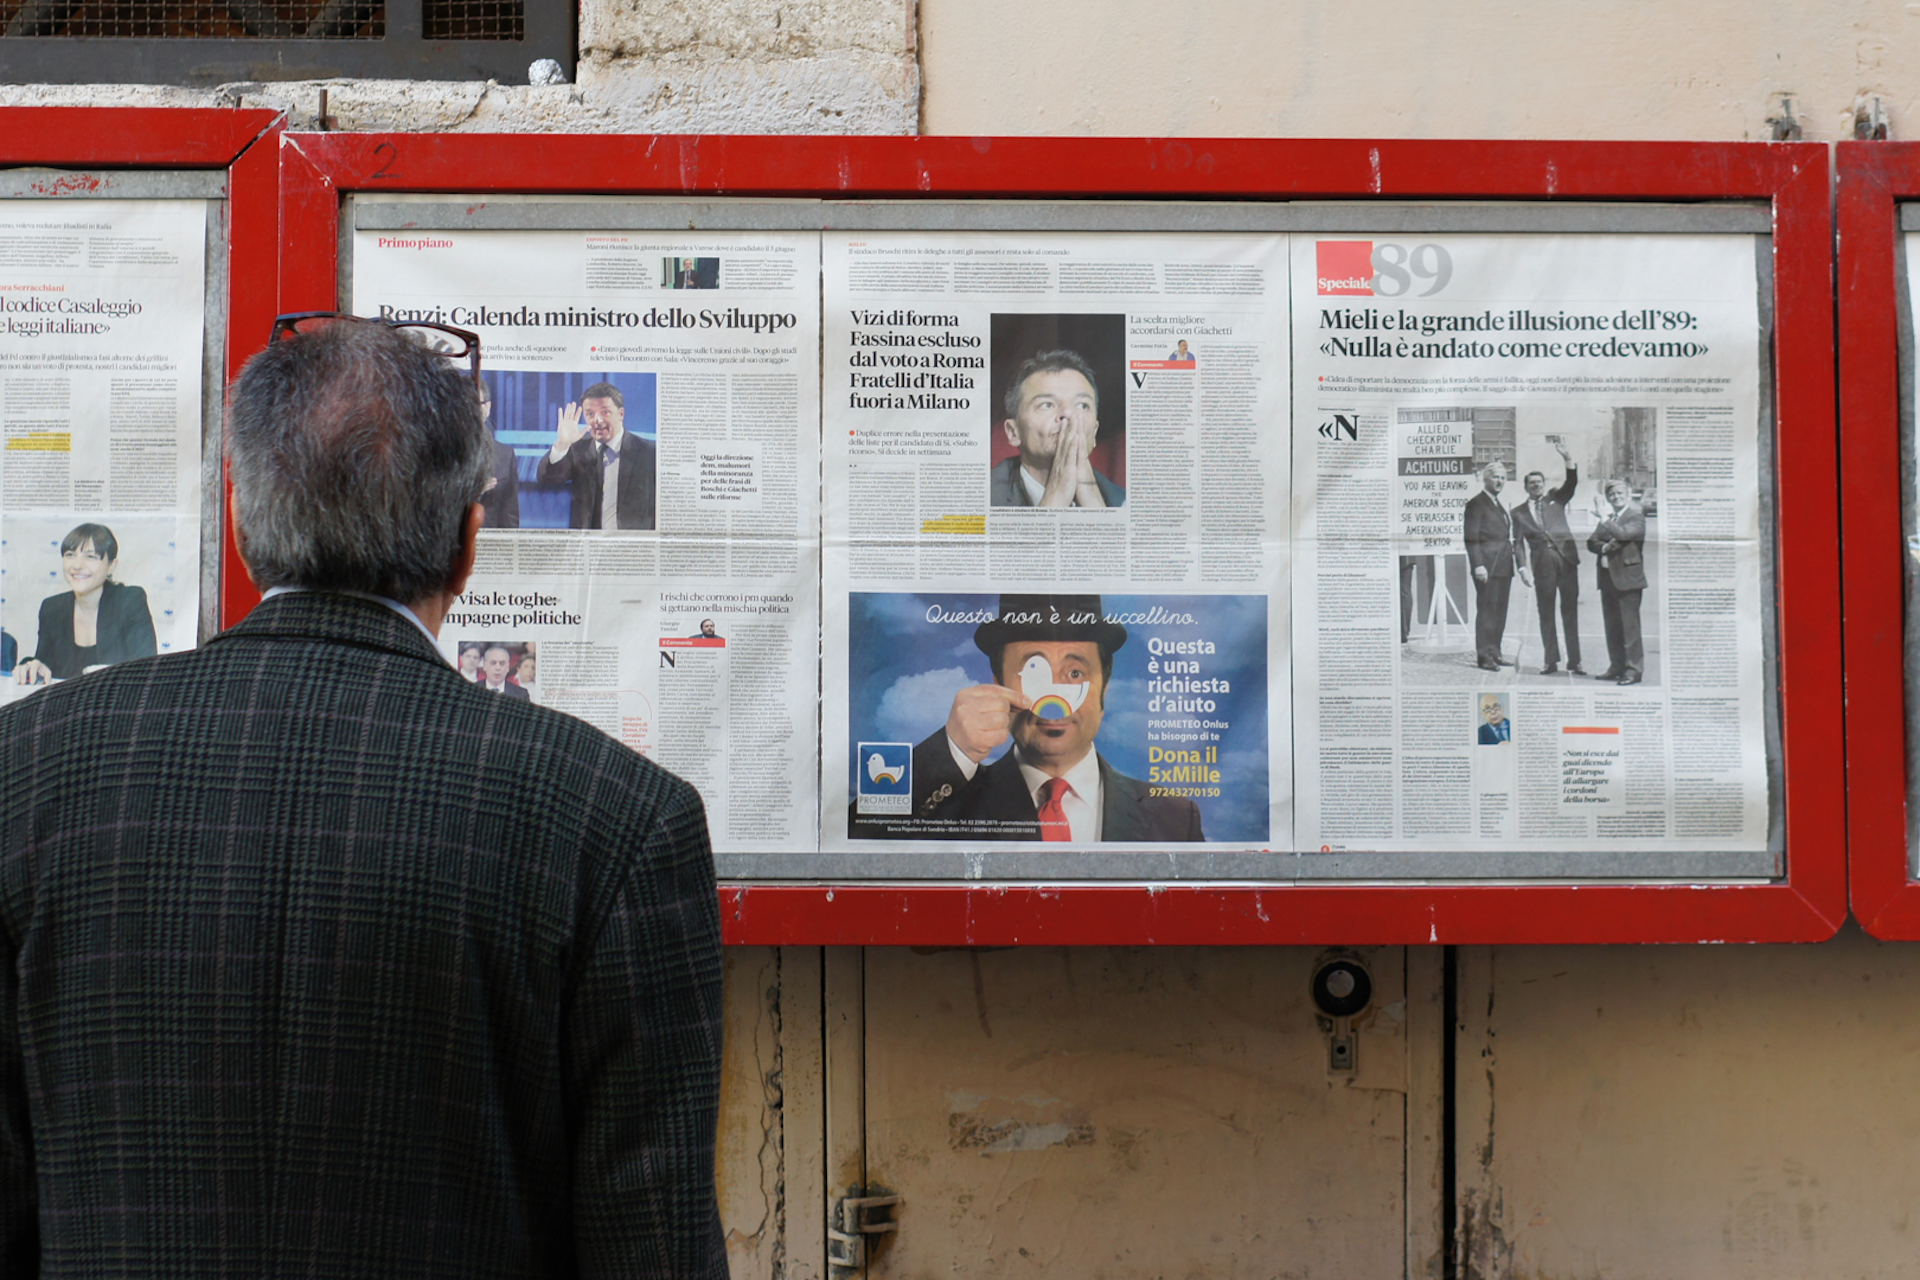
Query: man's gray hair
{"x": 354, "y": 453}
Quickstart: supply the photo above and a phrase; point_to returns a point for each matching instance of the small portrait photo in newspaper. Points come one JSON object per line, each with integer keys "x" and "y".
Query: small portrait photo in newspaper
{"x": 500, "y": 666}
{"x": 1526, "y": 541}
{"x": 689, "y": 273}
{"x": 1495, "y": 729}
{"x": 1057, "y": 411}
{"x": 85, "y": 594}
{"x": 1065, "y": 717}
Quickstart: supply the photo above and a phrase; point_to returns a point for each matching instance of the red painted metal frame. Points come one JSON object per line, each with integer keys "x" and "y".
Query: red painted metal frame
{"x": 243, "y": 142}
{"x": 1807, "y": 905}
{"x": 1874, "y": 178}
{"x": 240, "y": 141}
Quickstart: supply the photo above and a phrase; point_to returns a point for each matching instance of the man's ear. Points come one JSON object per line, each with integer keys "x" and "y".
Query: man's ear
{"x": 239, "y": 534}
{"x": 1013, "y": 432}
{"x": 462, "y": 568}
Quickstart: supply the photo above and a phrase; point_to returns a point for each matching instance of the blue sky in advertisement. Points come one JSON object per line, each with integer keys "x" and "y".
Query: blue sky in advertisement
{"x": 904, "y": 669}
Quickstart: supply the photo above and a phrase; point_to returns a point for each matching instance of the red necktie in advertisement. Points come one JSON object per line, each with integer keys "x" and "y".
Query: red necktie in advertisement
{"x": 1053, "y": 816}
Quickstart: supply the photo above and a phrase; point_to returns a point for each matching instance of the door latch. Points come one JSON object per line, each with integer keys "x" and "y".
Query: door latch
{"x": 1342, "y": 990}
{"x": 854, "y": 1219}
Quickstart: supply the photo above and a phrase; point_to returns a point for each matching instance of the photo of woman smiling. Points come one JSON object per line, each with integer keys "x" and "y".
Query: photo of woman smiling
{"x": 97, "y": 622}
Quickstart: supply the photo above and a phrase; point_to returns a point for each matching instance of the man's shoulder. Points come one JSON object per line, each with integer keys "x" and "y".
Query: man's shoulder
{"x": 455, "y": 733}
{"x": 1003, "y": 484}
{"x": 1153, "y": 817}
{"x": 78, "y": 700}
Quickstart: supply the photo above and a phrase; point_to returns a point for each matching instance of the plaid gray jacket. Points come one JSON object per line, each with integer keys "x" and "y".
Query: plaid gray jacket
{"x": 319, "y": 960}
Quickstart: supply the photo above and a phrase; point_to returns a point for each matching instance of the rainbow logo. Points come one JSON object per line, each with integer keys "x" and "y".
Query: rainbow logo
{"x": 1050, "y": 701}
{"x": 1051, "y": 706}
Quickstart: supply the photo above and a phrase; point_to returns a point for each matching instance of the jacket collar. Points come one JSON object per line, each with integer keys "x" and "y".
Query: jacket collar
{"x": 333, "y": 619}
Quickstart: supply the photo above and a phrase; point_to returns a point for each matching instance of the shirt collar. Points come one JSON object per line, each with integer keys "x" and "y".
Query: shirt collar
{"x": 1083, "y": 778}
{"x": 1033, "y": 487}
{"x": 394, "y": 605}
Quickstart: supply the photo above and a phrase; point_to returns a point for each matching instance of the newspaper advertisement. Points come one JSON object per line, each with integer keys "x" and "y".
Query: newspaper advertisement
{"x": 102, "y": 325}
{"x": 1055, "y": 571}
{"x": 650, "y": 556}
{"x": 1528, "y": 545}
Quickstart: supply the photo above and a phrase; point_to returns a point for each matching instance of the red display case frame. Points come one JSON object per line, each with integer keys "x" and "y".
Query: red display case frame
{"x": 1874, "y": 177}
{"x": 237, "y": 140}
{"x": 1807, "y": 904}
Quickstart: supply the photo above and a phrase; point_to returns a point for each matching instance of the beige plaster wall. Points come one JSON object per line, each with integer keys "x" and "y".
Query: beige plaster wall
{"x": 1413, "y": 68}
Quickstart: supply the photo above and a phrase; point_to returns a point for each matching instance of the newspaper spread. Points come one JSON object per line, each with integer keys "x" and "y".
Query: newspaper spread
{"x": 1527, "y": 535}
{"x": 1088, "y": 588}
{"x": 102, "y": 324}
{"x": 1060, "y": 490}
{"x": 651, "y": 556}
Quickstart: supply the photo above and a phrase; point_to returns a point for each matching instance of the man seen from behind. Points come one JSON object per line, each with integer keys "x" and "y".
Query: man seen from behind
{"x": 297, "y": 975}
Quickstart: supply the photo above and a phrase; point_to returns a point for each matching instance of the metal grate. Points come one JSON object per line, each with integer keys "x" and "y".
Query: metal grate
{"x": 199, "y": 19}
{"x": 473, "y": 20}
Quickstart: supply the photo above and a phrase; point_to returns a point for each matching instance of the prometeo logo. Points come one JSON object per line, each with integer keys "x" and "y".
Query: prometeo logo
{"x": 1344, "y": 268}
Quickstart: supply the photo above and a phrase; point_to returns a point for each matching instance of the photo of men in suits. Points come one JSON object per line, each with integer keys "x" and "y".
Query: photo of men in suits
{"x": 608, "y": 471}
{"x": 1488, "y": 531}
{"x": 495, "y": 666}
{"x": 1052, "y": 785}
{"x": 1552, "y": 555}
{"x": 1565, "y": 456}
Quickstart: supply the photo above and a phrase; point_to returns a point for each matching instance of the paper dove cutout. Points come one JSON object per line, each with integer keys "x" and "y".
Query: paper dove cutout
{"x": 1050, "y": 701}
{"x": 879, "y": 770}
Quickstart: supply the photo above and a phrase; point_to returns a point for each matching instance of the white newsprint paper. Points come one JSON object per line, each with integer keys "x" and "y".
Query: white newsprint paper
{"x": 1528, "y": 547}
{"x": 1066, "y": 440}
{"x": 102, "y": 331}
{"x": 651, "y": 561}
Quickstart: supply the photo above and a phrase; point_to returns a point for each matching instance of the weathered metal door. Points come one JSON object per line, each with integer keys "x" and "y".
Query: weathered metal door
{"x": 1136, "y": 1112}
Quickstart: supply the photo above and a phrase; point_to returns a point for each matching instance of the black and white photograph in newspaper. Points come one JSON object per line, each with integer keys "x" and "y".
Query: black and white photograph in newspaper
{"x": 1526, "y": 540}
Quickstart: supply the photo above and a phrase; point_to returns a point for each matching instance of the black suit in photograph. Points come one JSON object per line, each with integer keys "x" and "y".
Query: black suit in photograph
{"x": 502, "y": 502}
{"x": 581, "y": 468}
{"x": 510, "y": 689}
{"x": 995, "y": 802}
{"x": 123, "y": 631}
{"x": 1554, "y": 555}
{"x": 316, "y": 959}
{"x": 1620, "y": 543}
{"x": 1488, "y": 532}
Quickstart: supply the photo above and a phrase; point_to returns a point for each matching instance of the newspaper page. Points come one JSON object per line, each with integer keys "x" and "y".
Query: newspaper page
{"x": 1055, "y": 570}
{"x": 102, "y": 326}
{"x": 1528, "y": 550}
{"x": 651, "y": 556}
